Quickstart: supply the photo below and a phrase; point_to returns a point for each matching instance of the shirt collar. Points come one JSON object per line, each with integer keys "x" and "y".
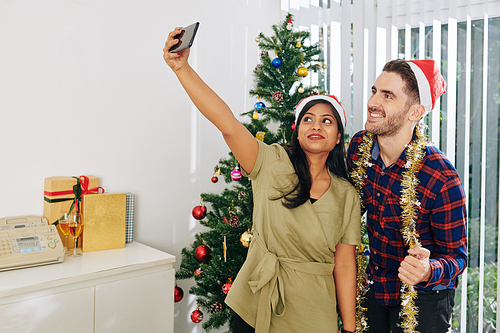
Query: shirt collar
{"x": 376, "y": 153}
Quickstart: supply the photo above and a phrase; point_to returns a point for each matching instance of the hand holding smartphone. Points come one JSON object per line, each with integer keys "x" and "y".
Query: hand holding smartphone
{"x": 186, "y": 38}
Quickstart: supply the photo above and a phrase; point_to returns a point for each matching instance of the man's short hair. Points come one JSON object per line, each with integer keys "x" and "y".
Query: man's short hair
{"x": 401, "y": 67}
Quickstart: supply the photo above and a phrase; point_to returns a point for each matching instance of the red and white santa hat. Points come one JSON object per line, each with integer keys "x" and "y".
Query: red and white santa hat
{"x": 431, "y": 83}
{"x": 328, "y": 98}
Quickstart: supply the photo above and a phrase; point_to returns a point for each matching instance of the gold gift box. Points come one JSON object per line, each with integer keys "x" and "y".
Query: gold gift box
{"x": 104, "y": 220}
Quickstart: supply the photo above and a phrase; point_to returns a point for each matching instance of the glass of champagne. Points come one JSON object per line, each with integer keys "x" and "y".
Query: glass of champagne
{"x": 75, "y": 227}
{"x": 63, "y": 226}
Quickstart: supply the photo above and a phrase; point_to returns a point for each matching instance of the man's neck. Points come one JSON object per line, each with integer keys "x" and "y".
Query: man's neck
{"x": 392, "y": 146}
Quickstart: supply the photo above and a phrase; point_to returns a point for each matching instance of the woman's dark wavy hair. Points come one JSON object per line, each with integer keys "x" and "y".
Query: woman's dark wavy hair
{"x": 336, "y": 161}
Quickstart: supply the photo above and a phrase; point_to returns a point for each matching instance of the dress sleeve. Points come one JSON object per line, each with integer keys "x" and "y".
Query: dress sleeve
{"x": 266, "y": 156}
{"x": 352, "y": 220}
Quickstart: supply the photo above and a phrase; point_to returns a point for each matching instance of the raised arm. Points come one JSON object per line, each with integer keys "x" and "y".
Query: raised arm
{"x": 241, "y": 142}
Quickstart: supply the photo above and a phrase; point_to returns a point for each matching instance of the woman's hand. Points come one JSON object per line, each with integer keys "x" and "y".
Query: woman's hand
{"x": 176, "y": 60}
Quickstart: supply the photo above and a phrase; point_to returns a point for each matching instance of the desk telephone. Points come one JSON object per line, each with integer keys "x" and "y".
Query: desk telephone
{"x": 28, "y": 241}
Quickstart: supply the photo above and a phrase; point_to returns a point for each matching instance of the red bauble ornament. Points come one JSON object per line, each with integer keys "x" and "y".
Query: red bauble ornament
{"x": 226, "y": 287}
{"x": 202, "y": 252}
{"x": 178, "y": 294}
{"x": 293, "y": 126}
{"x": 199, "y": 212}
{"x": 198, "y": 271}
{"x": 196, "y": 316}
{"x": 215, "y": 179}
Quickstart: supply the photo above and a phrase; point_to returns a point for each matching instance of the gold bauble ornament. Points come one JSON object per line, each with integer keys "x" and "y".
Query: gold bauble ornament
{"x": 255, "y": 116}
{"x": 301, "y": 90}
{"x": 245, "y": 238}
{"x": 302, "y": 71}
{"x": 257, "y": 39}
{"x": 325, "y": 66}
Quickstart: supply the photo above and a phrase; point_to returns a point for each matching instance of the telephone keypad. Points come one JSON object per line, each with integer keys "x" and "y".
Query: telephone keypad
{"x": 5, "y": 247}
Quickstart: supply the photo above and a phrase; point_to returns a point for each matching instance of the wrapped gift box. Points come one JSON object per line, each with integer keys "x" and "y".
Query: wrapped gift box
{"x": 104, "y": 217}
{"x": 59, "y": 195}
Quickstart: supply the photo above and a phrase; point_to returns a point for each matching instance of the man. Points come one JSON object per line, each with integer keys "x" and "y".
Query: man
{"x": 401, "y": 96}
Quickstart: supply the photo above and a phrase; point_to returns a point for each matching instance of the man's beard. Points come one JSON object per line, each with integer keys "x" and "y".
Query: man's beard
{"x": 389, "y": 126}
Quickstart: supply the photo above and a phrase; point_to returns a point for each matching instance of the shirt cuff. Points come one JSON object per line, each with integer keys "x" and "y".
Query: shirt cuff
{"x": 436, "y": 272}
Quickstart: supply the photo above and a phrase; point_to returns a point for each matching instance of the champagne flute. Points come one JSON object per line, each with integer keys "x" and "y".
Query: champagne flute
{"x": 75, "y": 227}
{"x": 63, "y": 226}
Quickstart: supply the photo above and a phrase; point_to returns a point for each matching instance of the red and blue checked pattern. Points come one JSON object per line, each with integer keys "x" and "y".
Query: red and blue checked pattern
{"x": 442, "y": 220}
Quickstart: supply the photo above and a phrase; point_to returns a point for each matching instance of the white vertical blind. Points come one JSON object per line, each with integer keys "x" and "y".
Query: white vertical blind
{"x": 335, "y": 61}
{"x": 393, "y": 52}
{"x": 358, "y": 20}
{"x": 436, "y": 55}
{"x": 451, "y": 88}
{"x": 465, "y": 180}
{"x": 345, "y": 74}
{"x": 379, "y": 47}
{"x": 483, "y": 173}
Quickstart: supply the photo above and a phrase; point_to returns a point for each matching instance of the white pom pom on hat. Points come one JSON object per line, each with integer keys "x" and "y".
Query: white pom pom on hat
{"x": 328, "y": 98}
{"x": 431, "y": 83}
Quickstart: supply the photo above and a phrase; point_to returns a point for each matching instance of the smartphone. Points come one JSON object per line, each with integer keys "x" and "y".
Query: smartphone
{"x": 186, "y": 38}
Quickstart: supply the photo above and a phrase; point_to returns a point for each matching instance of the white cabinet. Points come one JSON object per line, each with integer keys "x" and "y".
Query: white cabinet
{"x": 122, "y": 290}
{"x": 50, "y": 313}
{"x": 148, "y": 297}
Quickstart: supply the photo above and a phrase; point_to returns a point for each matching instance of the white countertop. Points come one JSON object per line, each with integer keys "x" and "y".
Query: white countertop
{"x": 134, "y": 256}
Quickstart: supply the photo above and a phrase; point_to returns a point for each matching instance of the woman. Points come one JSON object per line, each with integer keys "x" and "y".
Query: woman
{"x": 306, "y": 222}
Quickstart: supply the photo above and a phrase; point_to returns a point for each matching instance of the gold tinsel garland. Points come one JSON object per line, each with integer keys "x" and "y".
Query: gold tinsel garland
{"x": 415, "y": 152}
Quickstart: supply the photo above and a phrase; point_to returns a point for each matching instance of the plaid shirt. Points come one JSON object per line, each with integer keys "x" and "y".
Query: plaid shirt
{"x": 441, "y": 221}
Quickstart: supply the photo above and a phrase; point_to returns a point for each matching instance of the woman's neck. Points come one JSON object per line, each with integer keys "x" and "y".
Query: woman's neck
{"x": 317, "y": 166}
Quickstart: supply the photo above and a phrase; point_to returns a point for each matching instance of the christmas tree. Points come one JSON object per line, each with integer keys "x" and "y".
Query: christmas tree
{"x": 216, "y": 255}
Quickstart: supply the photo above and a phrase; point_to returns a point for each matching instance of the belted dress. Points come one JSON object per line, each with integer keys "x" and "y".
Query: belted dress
{"x": 286, "y": 283}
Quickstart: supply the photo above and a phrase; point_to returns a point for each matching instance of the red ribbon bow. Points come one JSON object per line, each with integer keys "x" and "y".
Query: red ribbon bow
{"x": 84, "y": 182}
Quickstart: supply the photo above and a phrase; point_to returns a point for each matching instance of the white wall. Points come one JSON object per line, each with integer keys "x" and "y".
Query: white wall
{"x": 84, "y": 90}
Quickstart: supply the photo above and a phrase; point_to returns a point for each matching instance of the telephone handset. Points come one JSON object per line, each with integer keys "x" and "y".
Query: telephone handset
{"x": 28, "y": 241}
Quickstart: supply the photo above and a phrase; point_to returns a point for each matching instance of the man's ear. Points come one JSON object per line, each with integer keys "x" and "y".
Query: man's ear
{"x": 417, "y": 112}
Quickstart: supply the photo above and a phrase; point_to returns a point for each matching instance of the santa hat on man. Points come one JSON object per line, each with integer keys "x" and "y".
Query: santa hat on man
{"x": 431, "y": 83}
{"x": 328, "y": 98}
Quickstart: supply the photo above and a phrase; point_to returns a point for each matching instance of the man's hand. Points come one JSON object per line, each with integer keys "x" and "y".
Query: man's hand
{"x": 415, "y": 268}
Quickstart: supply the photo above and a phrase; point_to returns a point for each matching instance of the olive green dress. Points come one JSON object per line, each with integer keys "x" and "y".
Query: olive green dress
{"x": 286, "y": 283}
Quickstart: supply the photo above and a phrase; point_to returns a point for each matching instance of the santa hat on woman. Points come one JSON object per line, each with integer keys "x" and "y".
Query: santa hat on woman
{"x": 328, "y": 98}
{"x": 431, "y": 83}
